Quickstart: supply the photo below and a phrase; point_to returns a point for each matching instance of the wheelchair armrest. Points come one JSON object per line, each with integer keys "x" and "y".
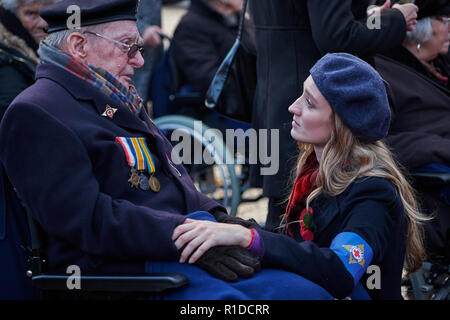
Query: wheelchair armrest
{"x": 431, "y": 179}
{"x": 145, "y": 283}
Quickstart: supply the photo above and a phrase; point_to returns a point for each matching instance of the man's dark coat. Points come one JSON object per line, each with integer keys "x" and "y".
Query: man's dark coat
{"x": 60, "y": 153}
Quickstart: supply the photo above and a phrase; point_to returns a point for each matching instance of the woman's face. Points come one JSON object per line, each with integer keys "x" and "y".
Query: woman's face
{"x": 311, "y": 116}
{"x": 439, "y": 42}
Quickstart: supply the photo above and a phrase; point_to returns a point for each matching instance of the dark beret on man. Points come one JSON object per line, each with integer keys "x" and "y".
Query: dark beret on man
{"x": 91, "y": 12}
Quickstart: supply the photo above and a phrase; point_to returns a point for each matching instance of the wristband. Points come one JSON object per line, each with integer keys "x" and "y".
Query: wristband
{"x": 253, "y": 238}
{"x": 256, "y": 245}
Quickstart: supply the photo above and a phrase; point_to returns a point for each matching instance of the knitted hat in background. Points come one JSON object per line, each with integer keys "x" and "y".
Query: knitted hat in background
{"x": 356, "y": 92}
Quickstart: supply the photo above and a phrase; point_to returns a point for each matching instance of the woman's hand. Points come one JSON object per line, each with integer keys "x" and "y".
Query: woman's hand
{"x": 195, "y": 237}
{"x": 409, "y": 11}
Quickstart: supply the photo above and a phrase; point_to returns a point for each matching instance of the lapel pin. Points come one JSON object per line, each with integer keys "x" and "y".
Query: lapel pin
{"x": 109, "y": 112}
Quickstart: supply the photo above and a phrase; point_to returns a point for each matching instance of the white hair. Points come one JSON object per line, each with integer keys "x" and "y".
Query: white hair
{"x": 58, "y": 39}
{"x": 422, "y": 32}
{"x": 12, "y": 5}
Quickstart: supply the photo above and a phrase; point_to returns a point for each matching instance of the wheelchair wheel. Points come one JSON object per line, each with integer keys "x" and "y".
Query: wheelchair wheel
{"x": 430, "y": 282}
{"x": 217, "y": 178}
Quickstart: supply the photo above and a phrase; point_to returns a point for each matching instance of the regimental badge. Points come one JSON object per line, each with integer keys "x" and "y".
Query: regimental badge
{"x": 109, "y": 112}
{"x": 356, "y": 253}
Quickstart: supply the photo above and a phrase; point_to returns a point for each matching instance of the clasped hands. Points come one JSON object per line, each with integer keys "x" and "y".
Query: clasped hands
{"x": 218, "y": 248}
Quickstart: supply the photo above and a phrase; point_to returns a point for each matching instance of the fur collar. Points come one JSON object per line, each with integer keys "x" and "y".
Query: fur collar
{"x": 12, "y": 41}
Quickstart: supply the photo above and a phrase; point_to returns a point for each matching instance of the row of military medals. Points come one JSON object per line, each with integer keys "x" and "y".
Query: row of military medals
{"x": 140, "y": 179}
{"x": 142, "y": 173}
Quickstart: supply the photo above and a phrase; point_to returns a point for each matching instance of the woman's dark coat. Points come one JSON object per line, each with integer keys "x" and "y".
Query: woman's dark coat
{"x": 291, "y": 35}
{"x": 369, "y": 208}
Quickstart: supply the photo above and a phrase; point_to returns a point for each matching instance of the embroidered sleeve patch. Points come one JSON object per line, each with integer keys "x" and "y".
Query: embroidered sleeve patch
{"x": 354, "y": 252}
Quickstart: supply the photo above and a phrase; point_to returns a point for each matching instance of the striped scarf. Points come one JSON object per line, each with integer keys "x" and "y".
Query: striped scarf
{"x": 99, "y": 78}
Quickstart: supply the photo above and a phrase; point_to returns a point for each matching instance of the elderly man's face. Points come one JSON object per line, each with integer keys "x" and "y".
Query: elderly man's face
{"x": 28, "y": 14}
{"x": 111, "y": 56}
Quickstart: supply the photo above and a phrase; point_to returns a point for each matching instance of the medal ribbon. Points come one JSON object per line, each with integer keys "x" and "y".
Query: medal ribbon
{"x": 137, "y": 153}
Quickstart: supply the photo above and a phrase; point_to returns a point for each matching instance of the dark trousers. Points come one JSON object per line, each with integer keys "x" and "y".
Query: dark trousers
{"x": 437, "y": 231}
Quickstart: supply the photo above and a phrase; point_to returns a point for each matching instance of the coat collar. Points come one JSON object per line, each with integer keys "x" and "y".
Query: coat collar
{"x": 81, "y": 90}
{"x": 404, "y": 57}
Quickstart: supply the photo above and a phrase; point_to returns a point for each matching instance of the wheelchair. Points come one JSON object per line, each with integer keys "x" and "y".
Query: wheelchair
{"x": 23, "y": 274}
{"x": 177, "y": 107}
{"x": 431, "y": 281}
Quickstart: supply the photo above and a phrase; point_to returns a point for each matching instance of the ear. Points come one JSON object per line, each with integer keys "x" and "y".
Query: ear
{"x": 76, "y": 45}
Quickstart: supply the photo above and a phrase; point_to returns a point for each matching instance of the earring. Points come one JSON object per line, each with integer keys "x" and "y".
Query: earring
{"x": 418, "y": 46}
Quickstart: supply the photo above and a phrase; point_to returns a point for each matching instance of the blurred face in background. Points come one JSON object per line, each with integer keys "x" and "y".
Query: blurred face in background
{"x": 439, "y": 41}
{"x": 235, "y": 5}
{"x": 227, "y": 7}
{"x": 28, "y": 14}
{"x": 444, "y": 49}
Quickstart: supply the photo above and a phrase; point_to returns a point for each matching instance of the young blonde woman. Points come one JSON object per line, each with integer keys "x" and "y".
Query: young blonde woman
{"x": 350, "y": 207}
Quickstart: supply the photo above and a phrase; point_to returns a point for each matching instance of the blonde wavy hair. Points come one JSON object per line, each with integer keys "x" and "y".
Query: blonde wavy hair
{"x": 345, "y": 158}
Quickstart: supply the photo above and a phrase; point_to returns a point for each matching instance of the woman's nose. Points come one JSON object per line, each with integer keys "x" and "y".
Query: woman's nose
{"x": 295, "y": 108}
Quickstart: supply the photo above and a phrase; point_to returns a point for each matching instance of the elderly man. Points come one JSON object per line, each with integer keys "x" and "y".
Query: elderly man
{"x": 96, "y": 173}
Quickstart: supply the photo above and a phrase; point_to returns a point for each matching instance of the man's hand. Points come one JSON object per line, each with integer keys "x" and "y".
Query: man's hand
{"x": 151, "y": 36}
{"x": 225, "y": 218}
{"x": 229, "y": 262}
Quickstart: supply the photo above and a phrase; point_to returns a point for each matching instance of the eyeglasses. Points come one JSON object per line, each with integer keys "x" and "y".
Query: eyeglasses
{"x": 443, "y": 19}
{"x": 132, "y": 48}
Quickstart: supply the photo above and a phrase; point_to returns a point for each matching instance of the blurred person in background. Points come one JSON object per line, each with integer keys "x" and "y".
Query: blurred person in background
{"x": 203, "y": 38}
{"x": 21, "y": 29}
{"x": 201, "y": 42}
{"x": 420, "y": 103}
{"x": 149, "y": 26}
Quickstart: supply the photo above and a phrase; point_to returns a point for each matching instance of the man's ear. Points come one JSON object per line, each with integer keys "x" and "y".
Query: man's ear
{"x": 76, "y": 45}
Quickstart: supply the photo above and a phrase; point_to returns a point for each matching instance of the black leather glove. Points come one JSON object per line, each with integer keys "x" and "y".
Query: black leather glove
{"x": 226, "y": 218}
{"x": 229, "y": 262}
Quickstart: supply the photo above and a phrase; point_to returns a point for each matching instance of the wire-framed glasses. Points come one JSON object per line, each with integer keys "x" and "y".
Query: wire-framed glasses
{"x": 132, "y": 48}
